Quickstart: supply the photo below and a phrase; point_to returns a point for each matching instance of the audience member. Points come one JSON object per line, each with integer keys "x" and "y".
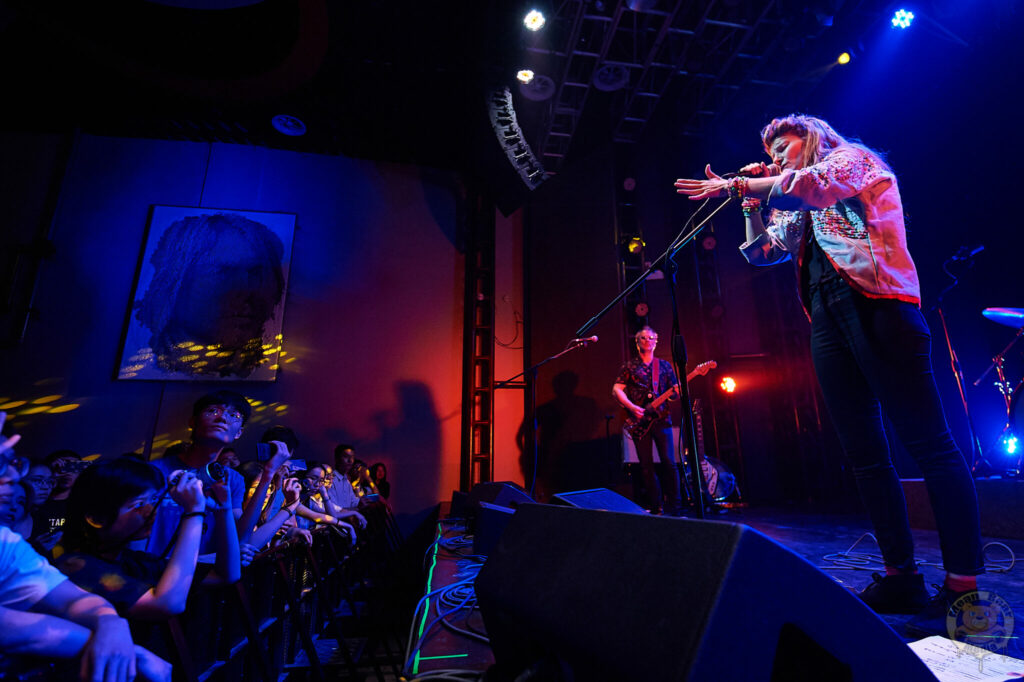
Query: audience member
{"x": 40, "y": 478}
{"x": 229, "y": 458}
{"x": 379, "y": 476}
{"x": 359, "y": 476}
{"x": 343, "y": 493}
{"x": 43, "y": 614}
{"x": 319, "y": 501}
{"x": 111, "y": 505}
{"x": 50, "y": 515}
{"x": 217, "y": 421}
{"x": 274, "y": 523}
{"x": 14, "y": 509}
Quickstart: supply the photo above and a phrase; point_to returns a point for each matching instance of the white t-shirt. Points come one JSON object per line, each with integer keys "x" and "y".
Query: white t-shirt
{"x": 25, "y": 577}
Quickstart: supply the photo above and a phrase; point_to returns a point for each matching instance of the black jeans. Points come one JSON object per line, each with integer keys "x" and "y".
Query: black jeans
{"x": 661, "y": 434}
{"x": 874, "y": 354}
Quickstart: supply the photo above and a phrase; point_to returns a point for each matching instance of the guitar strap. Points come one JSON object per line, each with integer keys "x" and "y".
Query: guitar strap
{"x": 654, "y": 376}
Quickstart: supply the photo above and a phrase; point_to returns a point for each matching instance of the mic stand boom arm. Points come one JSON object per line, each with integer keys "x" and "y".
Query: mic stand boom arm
{"x": 678, "y": 345}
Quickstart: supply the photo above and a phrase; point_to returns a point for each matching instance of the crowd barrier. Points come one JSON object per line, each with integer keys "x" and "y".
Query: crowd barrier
{"x": 308, "y": 612}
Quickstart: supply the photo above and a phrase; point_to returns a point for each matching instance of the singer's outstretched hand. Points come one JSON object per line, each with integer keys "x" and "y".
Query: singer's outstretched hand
{"x": 714, "y": 187}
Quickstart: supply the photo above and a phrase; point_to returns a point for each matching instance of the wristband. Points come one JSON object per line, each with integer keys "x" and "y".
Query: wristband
{"x": 195, "y": 513}
{"x": 750, "y": 206}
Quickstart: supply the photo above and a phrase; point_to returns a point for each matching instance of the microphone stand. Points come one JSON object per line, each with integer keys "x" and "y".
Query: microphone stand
{"x": 977, "y": 456}
{"x": 678, "y": 344}
{"x": 532, "y": 387}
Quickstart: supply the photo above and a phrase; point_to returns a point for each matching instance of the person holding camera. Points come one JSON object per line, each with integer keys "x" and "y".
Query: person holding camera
{"x": 43, "y": 614}
{"x": 111, "y": 505}
{"x": 217, "y": 421}
{"x": 318, "y": 502}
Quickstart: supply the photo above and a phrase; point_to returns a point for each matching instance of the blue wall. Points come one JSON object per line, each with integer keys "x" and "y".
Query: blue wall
{"x": 372, "y": 322}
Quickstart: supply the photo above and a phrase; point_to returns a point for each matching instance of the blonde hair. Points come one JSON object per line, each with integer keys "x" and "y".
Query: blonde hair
{"x": 820, "y": 138}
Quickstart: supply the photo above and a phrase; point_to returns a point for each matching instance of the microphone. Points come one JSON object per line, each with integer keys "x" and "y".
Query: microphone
{"x": 589, "y": 339}
{"x": 773, "y": 170}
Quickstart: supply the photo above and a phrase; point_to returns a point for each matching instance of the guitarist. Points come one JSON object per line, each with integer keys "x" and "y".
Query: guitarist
{"x": 641, "y": 380}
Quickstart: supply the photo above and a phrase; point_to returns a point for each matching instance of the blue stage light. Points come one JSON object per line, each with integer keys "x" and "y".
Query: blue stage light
{"x": 1010, "y": 443}
{"x": 902, "y": 19}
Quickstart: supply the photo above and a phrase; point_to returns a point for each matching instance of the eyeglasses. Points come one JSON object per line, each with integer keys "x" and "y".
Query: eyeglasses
{"x": 644, "y": 337}
{"x": 229, "y": 413}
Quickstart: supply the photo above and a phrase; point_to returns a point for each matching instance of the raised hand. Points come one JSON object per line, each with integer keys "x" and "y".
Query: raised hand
{"x": 188, "y": 492}
{"x": 292, "y": 491}
{"x": 280, "y": 456}
{"x": 714, "y": 187}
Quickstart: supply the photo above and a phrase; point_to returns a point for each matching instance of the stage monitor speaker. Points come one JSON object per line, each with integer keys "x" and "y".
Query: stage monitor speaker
{"x": 491, "y": 520}
{"x": 587, "y": 595}
{"x": 598, "y": 498}
{"x": 502, "y": 493}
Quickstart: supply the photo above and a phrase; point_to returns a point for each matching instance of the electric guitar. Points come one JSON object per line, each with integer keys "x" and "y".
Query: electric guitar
{"x": 653, "y": 411}
{"x": 708, "y": 471}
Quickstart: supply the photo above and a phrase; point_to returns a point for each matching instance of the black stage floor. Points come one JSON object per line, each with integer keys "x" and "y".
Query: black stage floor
{"x": 819, "y": 537}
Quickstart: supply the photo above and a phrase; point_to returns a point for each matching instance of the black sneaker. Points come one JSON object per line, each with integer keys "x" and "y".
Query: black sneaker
{"x": 900, "y": 593}
{"x": 932, "y": 619}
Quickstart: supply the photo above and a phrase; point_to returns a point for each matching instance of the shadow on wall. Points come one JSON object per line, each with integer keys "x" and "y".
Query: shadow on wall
{"x": 563, "y": 422}
{"x": 409, "y": 439}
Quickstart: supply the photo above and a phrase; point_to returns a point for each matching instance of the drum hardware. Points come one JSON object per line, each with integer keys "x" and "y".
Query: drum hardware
{"x": 1013, "y": 397}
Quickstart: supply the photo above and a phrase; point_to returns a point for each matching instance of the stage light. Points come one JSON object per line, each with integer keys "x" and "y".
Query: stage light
{"x": 288, "y": 125}
{"x": 635, "y": 245}
{"x": 728, "y": 385}
{"x": 844, "y": 58}
{"x": 534, "y": 20}
{"x": 902, "y": 19}
{"x": 524, "y": 76}
{"x": 1010, "y": 444}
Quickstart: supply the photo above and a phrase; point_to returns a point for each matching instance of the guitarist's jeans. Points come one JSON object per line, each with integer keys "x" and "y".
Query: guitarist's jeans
{"x": 870, "y": 355}
{"x": 661, "y": 434}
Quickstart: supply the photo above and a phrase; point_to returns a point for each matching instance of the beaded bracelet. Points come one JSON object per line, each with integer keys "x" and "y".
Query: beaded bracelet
{"x": 750, "y": 206}
{"x": 738, "y": 187}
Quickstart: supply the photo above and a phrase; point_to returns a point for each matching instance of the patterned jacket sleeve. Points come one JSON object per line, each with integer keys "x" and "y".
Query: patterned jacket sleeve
{"x": 846, "y": 172}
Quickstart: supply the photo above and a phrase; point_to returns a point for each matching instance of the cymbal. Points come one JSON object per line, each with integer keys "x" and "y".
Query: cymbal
{"x": 1011, "y": 317}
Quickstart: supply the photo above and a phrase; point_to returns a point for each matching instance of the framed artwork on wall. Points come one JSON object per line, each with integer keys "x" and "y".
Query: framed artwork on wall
{"x": 208, "y": 302}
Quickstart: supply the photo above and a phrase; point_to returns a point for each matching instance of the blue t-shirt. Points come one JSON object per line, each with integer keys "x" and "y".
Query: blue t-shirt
{"x": 168, "y": 515}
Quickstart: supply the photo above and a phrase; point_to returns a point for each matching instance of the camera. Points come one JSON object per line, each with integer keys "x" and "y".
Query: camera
{"x": 263, "y": 452}
{"x": 214, "y": 472}
{"x": 307, "y": 486}
{"x": 70, "y": 466}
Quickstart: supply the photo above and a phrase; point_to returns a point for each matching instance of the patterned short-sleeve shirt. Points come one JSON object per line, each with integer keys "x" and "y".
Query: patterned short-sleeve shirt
{"x": 636, "y": 376}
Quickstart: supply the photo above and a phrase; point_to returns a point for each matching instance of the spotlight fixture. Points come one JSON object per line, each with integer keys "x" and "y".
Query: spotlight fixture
{"x": 635, "y": 245}
{"x": 728, "y": 385}
{"x": 539, "y": 89}
{"x": 902, "y": 19}
{"x": 844, "y": 58}
{"x": 534, "y": 20}
{"x": 524, "y": 76}
{"x": 288, "y": 125}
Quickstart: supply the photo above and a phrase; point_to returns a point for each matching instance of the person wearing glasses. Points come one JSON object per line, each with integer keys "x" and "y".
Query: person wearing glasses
{"x": 44, "y": 615}
{"x": 217, "y": 421}
{"x": 113, "y": 504}
{"x": 319, "y": 508}
{"x": 640, "y": 381}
